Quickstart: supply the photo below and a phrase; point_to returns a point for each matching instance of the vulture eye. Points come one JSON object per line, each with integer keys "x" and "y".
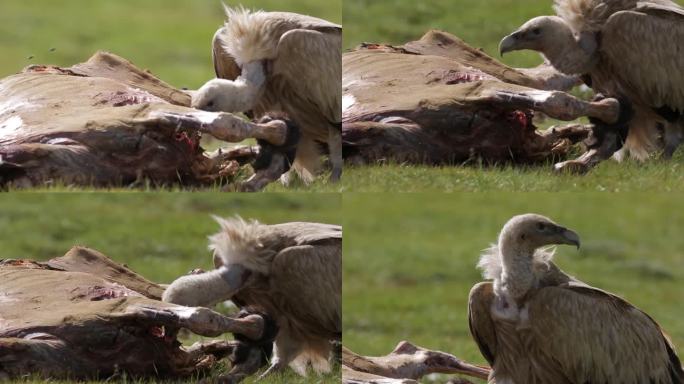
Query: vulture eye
{"x": 536, "y": 31}
{"x": 541, "y": 226}
{"x": 210, "y": 104}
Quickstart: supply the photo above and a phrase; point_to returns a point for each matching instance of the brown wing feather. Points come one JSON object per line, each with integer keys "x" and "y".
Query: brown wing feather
{"x": 225, "y": 66}
{"x": 479, "y": 319}
{"x": 308, "y": 69}
{"x": 591, "y": 336}
{"x": 645, "y": 49}
{"x": 307, "y": 281}
{"x": 305, "y": 21}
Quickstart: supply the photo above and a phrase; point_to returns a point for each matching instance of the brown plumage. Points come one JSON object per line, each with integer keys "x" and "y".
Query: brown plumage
{"x": 536, "y": 324}
{"x": 281, "y": 62}
{"x": 629, "y": 49}
{"x": 290, "y": 271}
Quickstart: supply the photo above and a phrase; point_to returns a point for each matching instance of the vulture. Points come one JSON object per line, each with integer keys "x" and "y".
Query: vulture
{"x": 282, "y": 62}
{"x": 537, "y": 325}
{"x": 290, "y": 271}
{"x": 629, "y": 49}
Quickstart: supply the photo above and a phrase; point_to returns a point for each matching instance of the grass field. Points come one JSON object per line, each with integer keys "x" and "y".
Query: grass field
{"x": 482, "y": 24}
{"x": 160, "y": 235}
{"x": 410, "y": 260}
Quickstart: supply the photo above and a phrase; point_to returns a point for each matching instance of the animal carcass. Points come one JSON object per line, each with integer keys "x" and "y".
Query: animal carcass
{"x": 83, "y": 316}
{"x": 440, "y": 101}
{"x": 107, "y": 123}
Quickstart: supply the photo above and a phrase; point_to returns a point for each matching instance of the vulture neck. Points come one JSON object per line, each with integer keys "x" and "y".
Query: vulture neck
{"x": 572, "y": 56}
{"x": 249, "y": 86}
{"x": 517, "y": 274}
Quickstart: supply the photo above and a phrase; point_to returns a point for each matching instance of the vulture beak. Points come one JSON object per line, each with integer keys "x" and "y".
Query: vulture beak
{"x": 509, "y": 43}
{"x": 568, "y": 237}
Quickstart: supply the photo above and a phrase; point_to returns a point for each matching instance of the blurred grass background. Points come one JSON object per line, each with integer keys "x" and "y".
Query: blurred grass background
{"x": 410, "y": 260}
{"x": 161, "y": 235}
{"x": 171, "y": 38}
{"x": 482, "y": 24}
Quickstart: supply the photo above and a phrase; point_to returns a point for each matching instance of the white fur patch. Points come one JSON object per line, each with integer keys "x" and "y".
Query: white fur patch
{"x": 238, "y": 243}
{"x": 491, "y": 265}
{"x": 250, "y": 35}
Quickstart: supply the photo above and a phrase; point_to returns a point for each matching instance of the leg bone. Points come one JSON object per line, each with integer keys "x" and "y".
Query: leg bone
{"x": 561, "y": 105}
{"x": 227, "y": 127}
{"x": 202, "y": 321}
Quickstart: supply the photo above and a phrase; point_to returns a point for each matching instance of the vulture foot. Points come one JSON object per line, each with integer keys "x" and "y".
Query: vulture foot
{"x": 272, "y": 160}
{"x": 673, "y": 136}
{"x": 604, "y": 140}
{"x": 275, "y": 368}
{"x": 335, "y": 147}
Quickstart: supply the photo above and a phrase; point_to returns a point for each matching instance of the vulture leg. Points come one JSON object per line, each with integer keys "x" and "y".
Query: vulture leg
{"x": 335, "y": 147}
{"x": 673, "y": 135}
{"x": 603, "y": 142}
{"x": 273, "y": 160}
{"x": 228, "y": 127}
{"x": 561, "y": 105}
{"x": 287, "y": 349}
{"x": 263, "y": 176}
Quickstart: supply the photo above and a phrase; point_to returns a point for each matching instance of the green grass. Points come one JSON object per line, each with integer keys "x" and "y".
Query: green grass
{"x": 609, "y": 176}
{"x": 410, "y": 259}
{"x": 482, "y": 24}
{"x": 159, "y": 235}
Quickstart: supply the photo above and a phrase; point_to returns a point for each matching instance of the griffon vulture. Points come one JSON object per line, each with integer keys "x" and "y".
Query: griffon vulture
{"x": 281, "y": 62}
{"x": 536, "y": 324}
{"x": 629, "y": 49}
{"x": 290, "y": 271}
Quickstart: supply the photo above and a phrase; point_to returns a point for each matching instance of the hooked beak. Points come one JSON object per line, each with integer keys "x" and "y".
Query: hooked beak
{"x": 568, "y": 237}
{"x": 508, "y": 44}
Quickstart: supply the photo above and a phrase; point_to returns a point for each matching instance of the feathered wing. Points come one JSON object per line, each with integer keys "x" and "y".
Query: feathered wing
{"x": 307, "y": 280}
{"x": 303, "y": 233}
{"x": 482, "y": 327}
{"x": 591, "y": 336}
{"x": 645, "y": 48}
{"x": 253, "y": 35}
{"x": 308, "y": 69}
{"x": 225, "y": 66}
{"x": 306, "y": 22}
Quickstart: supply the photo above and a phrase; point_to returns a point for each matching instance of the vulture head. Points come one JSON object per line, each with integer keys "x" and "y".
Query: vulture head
{"x": 539, "y": 34}
{"x": 220, "y": 95}
{"x": 531, "y": 231}
{"x": 239, "y": 95}
{"x": 553, "y": 37}
{"x": 515, "y": 262}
